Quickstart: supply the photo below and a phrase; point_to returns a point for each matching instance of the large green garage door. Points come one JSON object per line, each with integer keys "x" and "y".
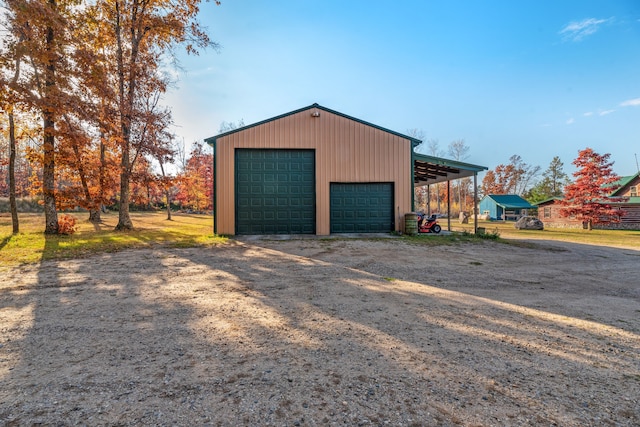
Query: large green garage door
{"x": 362, "y": 207}
{"x": 275, "y": 192}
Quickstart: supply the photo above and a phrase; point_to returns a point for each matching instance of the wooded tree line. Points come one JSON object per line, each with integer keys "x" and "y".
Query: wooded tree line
{"x": 82, "y": 85}
{"x": 518, "y": 177}
{"x": 586, "y": 197}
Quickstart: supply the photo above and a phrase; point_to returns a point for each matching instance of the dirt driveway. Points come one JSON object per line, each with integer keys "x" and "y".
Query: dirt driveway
{"x": 325, "y": 332}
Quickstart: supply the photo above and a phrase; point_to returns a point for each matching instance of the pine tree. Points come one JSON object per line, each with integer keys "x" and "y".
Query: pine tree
{"x": 554, "y": 179}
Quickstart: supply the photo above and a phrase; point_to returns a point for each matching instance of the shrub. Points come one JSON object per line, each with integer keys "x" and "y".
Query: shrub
{"x": 493, "y": 235}
{"x": 67, "y": 224}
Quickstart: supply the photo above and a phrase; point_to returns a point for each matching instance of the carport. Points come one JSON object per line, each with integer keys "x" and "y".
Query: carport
{"x": 428, "y": 170}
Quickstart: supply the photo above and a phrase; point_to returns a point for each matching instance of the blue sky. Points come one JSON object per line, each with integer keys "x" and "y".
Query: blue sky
{"x": 534, "y": 78}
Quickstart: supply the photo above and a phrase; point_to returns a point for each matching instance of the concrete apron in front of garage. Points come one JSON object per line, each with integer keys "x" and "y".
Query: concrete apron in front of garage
{"x": 257, "y": 237}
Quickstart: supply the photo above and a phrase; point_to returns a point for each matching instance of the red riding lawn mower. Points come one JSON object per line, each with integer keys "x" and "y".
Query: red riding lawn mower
{"x": 428, "y": 224}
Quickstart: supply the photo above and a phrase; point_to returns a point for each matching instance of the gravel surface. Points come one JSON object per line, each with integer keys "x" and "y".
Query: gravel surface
{"x": 325, "y": 332}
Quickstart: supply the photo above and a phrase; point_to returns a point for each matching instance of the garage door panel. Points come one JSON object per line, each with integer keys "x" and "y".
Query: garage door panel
{"x": 282, "y": 184}
{"x": 361, "y": 207}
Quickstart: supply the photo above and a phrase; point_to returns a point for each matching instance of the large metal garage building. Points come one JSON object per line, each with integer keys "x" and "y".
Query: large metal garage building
{"x": 318, "y": 171}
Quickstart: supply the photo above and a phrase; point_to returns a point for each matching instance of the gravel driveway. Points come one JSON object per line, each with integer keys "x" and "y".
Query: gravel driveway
{"x": 325, "y": 332}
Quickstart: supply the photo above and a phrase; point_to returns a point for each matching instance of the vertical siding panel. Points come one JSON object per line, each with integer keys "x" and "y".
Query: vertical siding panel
{"x": 275, "y": 126}
{"x": 323, "y": 165}
{"x": 375, "y": 171}
{"x": 223, "y": 189}
{"x": 271, "y": 135}
{"x": 372, "y": 165}
{"x": 230, "y": 199}
{"x": 352, "y": 160}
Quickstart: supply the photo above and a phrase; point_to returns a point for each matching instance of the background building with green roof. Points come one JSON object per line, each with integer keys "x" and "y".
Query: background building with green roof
{"x": 504, "y": 207}
{"x": 625, "y": 198}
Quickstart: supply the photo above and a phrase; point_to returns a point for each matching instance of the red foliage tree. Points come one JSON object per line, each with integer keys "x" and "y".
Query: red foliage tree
{"x": 195, "y": 188}
{"x": 587, "y": 197}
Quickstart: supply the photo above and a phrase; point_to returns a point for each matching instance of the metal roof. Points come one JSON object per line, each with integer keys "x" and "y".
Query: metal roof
{"x": 621, "y": 183}
{"x": 509, "y": 201}
{"x": 211, "y": 140}
{"x": 427, "y": 169}
{"x": 431, "y": 170}
{"x": 549, "y": 200}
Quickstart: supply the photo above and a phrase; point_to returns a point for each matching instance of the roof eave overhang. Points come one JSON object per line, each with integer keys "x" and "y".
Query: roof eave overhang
{"x": 414, "y": 141}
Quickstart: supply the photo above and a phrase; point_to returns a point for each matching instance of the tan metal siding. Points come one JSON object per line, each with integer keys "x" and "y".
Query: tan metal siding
{"x": 346, "y": 151}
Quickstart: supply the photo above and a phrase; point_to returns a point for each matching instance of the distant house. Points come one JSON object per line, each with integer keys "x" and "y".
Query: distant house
{"x": 504, "y": 207}
{"x": 628, "y": 188}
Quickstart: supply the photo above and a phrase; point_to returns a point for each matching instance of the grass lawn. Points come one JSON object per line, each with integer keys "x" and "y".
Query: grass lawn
{"x": 151, "y": 228}
{"x": 185, "y": 230}
{"x": 506, "y": 230}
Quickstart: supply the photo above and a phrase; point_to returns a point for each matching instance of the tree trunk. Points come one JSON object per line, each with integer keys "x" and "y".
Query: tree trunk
{"x": 124, "y": 220}
{"x": 12, "y": 175}
{"x": 48, "y": 167}
{"x": 48, "y": 177}
{"x": 12, "y": 154}
{"x": 94, "y": 215}
{"x": 93, "y": 205}
{"x": 168, "y": 205}
{"x": 167, "y": 190}
{"x": 126, "y": 109}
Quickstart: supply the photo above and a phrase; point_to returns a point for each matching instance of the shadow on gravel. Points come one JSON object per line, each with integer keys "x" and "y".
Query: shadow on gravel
{"x": 311, "y": 333}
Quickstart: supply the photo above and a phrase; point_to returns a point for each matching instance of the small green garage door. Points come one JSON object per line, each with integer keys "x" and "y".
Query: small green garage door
{"x": 362, "y": 207}
{"x": 275, "y": 191}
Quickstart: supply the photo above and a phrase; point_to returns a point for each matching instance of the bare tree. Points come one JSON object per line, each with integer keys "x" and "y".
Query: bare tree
{"x": 416, "y": 133}
{"x": 229, "y": 126}
{"x": 180, "y": 158}
{"x": 459, "y": 150}
{"x": 433, "y": 149}
{"x": 524, "y": 173}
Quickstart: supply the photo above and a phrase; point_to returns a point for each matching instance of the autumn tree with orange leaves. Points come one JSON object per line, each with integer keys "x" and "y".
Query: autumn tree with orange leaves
{"x": 587, "y": 197}
{"x": 143, "y": 33}
{"x": 93, "y": 72}
{"x": 512, "y": 178}
{"x": 36, "y": 51}
{"x": 195, "y": 184}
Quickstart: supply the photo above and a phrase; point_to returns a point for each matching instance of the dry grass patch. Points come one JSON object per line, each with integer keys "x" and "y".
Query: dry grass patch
{"x": 151, "y": 229}
{"x": 506, "y": 230}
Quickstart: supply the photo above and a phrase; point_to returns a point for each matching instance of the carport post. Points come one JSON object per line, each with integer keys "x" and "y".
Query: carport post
{"x": 412, "y": 178}
{"x": 448, "y": 205}
{"x": 475, "y": 203}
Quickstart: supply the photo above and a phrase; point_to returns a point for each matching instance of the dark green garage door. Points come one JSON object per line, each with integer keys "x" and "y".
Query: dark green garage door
{"x": 275, "y": 192}
{"x": 362, "y": 208}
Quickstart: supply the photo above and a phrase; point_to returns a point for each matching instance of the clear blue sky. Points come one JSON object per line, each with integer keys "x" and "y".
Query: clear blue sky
{"x": 534, "y": 78}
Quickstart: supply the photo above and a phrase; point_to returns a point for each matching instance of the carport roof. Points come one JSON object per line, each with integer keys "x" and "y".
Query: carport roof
{"x": 431, "y": 170}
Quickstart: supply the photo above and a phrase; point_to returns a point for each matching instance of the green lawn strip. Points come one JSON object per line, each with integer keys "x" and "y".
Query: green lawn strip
{"x": 506, "y": 231}
{"x": 152, "y": 229}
